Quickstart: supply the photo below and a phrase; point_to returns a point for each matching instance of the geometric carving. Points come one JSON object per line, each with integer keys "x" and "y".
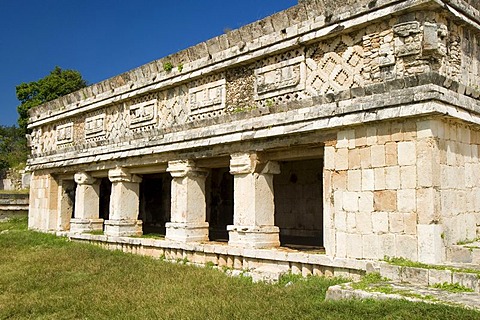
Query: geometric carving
{"x": 64, "y": 133}
{"x": 280, "y": 78}
{"x": 408, "y": 41}
{"x": 95, "y": 126}
{"x": 143, "y": 114}
{"x": 207, "y": 99}
{"x": 406, "y": 29}
{"x": 173, "y": 108}
{"x": 334, "y": 70}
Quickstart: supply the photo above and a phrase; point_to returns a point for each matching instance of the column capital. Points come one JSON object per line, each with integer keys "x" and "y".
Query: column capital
{"x": 123, "y": 175}
{"x": 183, "y": 168}
{"x": 245, "y": 163}
{"x": 84, "y": 178}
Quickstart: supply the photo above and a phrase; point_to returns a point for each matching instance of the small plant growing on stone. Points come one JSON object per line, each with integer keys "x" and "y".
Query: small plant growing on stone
{"x": 452, "y": 287}
{"x": 180, "y": 67}
{"x": 168, "y": 66}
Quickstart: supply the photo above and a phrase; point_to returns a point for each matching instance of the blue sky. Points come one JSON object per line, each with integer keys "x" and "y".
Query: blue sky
{"x": 103, "y": 38}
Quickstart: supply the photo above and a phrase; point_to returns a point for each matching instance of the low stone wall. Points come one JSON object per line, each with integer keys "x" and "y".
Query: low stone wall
{"x": 13, "y": 205}
{"x": 270, "y": 262}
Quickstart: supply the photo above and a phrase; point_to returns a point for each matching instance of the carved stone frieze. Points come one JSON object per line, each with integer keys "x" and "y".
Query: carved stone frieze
{"x": 143, "y": 114}
{"x": 280, "y": 78}
{"x": 64, "y": 134}
{"x": 95, "y": 127}
{"x": 408, "y": 40}
{"x": 207, "y": 97}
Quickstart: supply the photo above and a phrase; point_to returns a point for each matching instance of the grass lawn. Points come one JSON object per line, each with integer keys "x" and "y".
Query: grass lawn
{"x": 46, "y": 277}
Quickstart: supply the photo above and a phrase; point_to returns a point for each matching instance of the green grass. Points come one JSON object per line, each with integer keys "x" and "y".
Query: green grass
{"x": 48, "y": 277}
{"x": 452, "y": 287}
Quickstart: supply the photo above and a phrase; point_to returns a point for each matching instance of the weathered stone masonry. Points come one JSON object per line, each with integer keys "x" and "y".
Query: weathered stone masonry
{"x": 352, "y": 126}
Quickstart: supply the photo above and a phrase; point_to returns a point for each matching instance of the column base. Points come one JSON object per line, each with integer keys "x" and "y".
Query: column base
{"x": 253, "y": 236}
{"x": 78, "y": 225}
{"x": 123, "y": 228}
{"x": 186, "y": 232}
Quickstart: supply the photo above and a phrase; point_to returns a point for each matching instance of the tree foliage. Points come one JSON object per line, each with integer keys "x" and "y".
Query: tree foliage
{"x": 13, "y": 147}
{"x": 58, "y": 83}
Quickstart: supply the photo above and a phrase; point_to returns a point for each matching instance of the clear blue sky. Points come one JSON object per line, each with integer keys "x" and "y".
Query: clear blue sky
{"x": 103, "y": 38}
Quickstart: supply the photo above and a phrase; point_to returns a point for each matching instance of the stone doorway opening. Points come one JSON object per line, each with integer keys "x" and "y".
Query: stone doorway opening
{"x": 298, "y": 191}
{"x": 104, "y": 201}
{"x": 155, "y": 197}
{"x": 219, "y": 198}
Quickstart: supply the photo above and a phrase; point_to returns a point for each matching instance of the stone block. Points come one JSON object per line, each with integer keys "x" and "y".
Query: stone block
{"x": 406, "y": 153}
{"x": 341, "y": 159}
{"x": 354, "y": 246}
{"x": 395, "y": 222}
{"x": 364, "y": 222}
{"x": 339, "y": 180}
{"x": 379, "y": 176}
{"x": 354, "y": 159}
{"x": 408, "y": 177}
{"x": 354, "y": 180}
{"x": 416, "y": 276}
{"x": 391, "y": 272}
{"x": 380, "y": 222}
{"x": 378, "y": 155}
{"x": 368, "y": 180}
{"x": 341, "y": 244}
{"x": 410, "y": 222}
{"x": 388, "y": 245}
{"x": 385, "y": 200}
{"x": 366, "y": 157}
{"x": 365, "y": 201}
{"x": 427, "y": 204}
{"x": 406, "y": 247}
{"x": 391, "y": 157}
{"x": 439, "y": 276}
{"x": 346, "y": 139}
{"x": 431, "y": 248}
{"x": 469, "y": 280}
{"x": 392, "y": 177}
{"x": 350, "y": 201}
{"x": 406, "y": 201}
{"x": 329, "y": 158}
{"x": 372, "y": 247}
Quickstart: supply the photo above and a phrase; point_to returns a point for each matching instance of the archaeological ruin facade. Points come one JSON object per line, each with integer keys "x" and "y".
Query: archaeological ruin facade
{"x": 317, "y": 140}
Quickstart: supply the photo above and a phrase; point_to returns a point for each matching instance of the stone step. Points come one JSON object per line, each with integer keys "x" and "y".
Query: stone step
{"x": 410, "y": 292}
{"x": 463, "y": 274}
{"x": 466, "y": 253}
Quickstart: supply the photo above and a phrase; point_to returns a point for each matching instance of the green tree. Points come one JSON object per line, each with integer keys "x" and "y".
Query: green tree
{"x": 13, "y": 147}
{"x": 58, "y": 83}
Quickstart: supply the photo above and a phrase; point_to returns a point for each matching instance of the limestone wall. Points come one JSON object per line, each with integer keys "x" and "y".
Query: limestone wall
{"x": 43, "y": 213}
{"x": 405, "y": 188}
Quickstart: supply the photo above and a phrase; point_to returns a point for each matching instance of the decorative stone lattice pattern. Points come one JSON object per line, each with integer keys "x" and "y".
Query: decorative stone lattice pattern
{"x": 335, "y": 65}
{"x": 207, "y": 97}
{"x": 117, "y": 123}
{"x": 240, "y": 83}
{"x": 173, "y": 107}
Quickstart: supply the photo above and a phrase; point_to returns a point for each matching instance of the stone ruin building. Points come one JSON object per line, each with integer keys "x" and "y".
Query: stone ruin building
{"x": 318, "y": 140}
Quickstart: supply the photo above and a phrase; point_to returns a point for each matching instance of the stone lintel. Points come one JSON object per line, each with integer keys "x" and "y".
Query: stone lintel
{"x": 246, "y": 163}
{"x": 84, "y": 178}
{"x": 183, "y": 168}
{"x": 123, "y": 175}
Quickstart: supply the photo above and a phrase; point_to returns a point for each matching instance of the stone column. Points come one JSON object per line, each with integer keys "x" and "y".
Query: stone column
{"x": 87, "y": 197}
{"x": 188, "y": 213}
{"x": 124, "y": 204}
{"x": 254, "y": 207}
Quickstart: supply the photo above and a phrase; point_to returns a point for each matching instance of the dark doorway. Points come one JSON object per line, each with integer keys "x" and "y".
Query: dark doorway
{"x": 105, "y": 192}
{"x": 155, "y": 193}
{"x": 219, "y": 197}
{"x": 299, "y": 203}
